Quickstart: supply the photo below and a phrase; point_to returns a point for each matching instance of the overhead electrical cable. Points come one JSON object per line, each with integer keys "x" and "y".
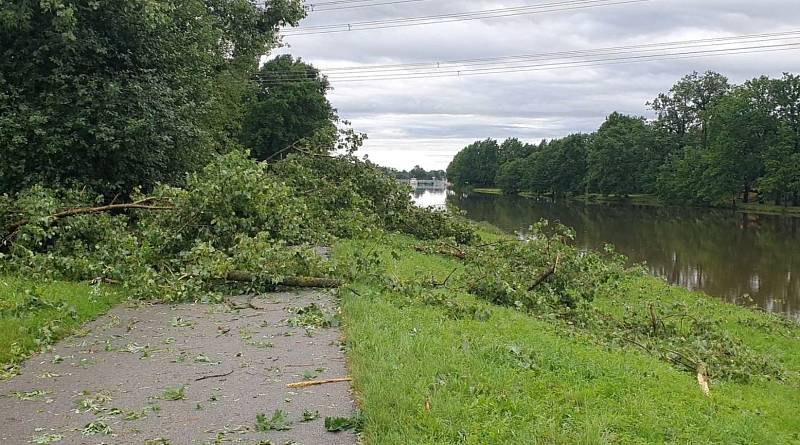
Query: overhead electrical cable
{"x": 522, "y": 61}
{"x": 419, "y": 65}
{"x": 576, "y": 64}
{"x": 456, "y": 17}
{"x": 613, "y": 60}
{"x": 558, "y": 61}
{"x": 336, "y": 2}
{"x": 322, "y": 7}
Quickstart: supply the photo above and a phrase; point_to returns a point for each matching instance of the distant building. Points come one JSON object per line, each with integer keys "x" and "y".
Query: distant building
{"x": 425, "y": 184}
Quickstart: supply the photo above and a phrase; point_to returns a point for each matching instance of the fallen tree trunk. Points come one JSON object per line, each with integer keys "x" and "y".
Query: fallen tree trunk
{"x": 320, "y": 282}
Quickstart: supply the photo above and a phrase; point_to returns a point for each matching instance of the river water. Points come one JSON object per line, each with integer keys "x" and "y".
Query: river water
{"x": 743, "y": 258}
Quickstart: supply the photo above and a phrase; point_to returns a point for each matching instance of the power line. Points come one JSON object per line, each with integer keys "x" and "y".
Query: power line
{"x": 478, "y": 65}
{"x": 321, "y": 7}
{"x": 456, "y": 17}
{"x": 453, "y": 17}
{"x": 555, "y": 64}
{"x": 600, "y": 62}
{"x": 336, "y": 2}
{"x": 570, "y": 53}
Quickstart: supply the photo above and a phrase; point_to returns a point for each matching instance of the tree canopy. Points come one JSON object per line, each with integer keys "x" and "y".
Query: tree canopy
{"x": 476, "y": 164}
{"x": 710, "y": 142}
{"x": 416, "y": 172}
{"x": 284, "y": 112}
{"x": 121, "y": 94}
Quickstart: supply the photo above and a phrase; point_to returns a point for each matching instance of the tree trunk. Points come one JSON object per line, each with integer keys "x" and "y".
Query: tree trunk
{"x": 746, "y": 197}
{"x": 288, "y": 281}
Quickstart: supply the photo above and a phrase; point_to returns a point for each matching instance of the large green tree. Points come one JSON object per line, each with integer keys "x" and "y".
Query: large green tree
{"x": 683, "y": 112}
{"x": 510, "y": 176}
{"x": 476, "y": 165}
{"x": 513, "y": 149}
{"x": 619, "y": 149}
{"x": 121, "y": 93}
{"x": 781, "y": 179}
{"x": 557, "y": 167}
{"x": 569, "y": 164}
{"x": 742, "y": 127}
{"x": 289, "y": 110}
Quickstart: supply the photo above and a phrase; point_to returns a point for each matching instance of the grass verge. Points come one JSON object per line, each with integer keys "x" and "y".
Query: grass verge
{"x": 650, "y": 200}
{"x": 488, "y": 191}
{"x": 452, "y": 369}
{"x": 34, "y": 315}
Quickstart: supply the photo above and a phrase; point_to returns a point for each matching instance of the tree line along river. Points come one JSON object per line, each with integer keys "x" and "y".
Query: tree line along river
{"x": 743, "y": 258}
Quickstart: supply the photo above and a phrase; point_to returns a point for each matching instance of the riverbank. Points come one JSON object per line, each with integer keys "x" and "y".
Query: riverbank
{"x": 432, "y": 363}
{"x": 650, "y": 200}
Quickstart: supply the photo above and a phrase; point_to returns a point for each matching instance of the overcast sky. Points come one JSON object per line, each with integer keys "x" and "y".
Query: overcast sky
{"x": 426, "y": 121}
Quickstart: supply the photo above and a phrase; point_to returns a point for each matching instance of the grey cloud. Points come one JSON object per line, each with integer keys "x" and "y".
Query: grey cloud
{"x": 425, "y": 121}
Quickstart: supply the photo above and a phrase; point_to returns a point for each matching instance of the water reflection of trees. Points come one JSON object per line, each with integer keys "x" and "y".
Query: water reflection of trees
{"x": 723, "y": 253}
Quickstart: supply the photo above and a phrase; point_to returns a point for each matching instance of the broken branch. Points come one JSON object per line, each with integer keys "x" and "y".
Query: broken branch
{"x": 702, "y": 379}
{"x": 444, "y": 283}
{"x": 141, "y": 204}
{"x": 318, "y": 382}
{"x": 547, "y": 274}
{"x": 214, "y": 376}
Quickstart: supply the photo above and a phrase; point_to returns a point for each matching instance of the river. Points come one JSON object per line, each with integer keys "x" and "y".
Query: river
{"x": 743, "y": 258}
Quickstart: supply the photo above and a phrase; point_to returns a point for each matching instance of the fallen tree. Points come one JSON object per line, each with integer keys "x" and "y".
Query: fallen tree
{"x": 298, "y": 281}
{"x": 233, "y": 225}
{"x": 236, "y": 225}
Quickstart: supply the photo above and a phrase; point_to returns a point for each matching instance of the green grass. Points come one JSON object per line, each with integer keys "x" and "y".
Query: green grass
{"x": 488, "y": 191}
{"x": 596, "y": 198}
{"x": 768, "y": 209}
{"x": 651, "y": 200}
{"x": 425, "y": 376}
{"x": 33, "y": 314}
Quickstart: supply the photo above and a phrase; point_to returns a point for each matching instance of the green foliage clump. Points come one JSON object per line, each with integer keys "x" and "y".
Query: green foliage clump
{"x": 112, "y": 95}
{"x": 231, "y": 216}
{"x": 278, "y": 422}
{"x": 338, "y": 424}
{"x": 234, "y": 215}
{"x": 429, "y": 224}
{"x": 542, "y": 272}
{"x": 687, "y": 338}
{"x": 349, "y": 198}
{"x": 476, "y": 165}
{"x": 311, "y": 317}
{"x": 288, "y": 106}
{"x": 177, "y": 393}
